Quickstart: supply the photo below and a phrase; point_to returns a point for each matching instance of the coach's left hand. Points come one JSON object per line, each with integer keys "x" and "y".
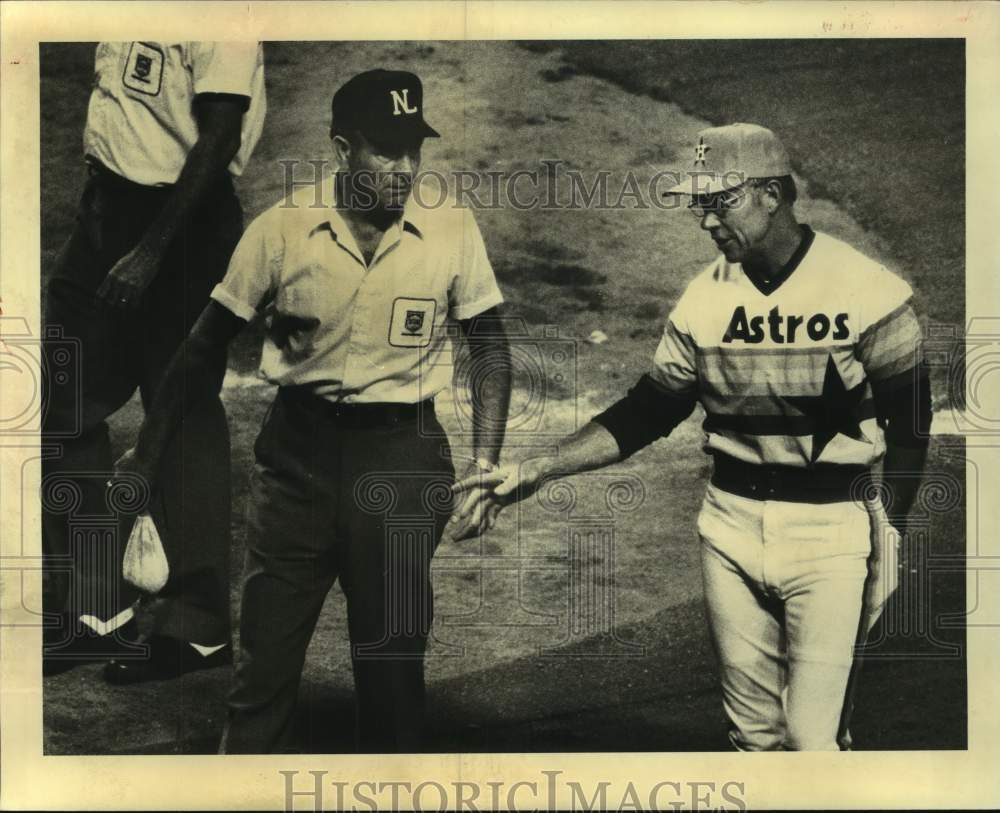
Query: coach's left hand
{"x": 128, "y": 279}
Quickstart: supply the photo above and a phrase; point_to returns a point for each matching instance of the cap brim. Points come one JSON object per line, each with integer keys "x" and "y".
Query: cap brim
{"x": 402, "y": 137}
{"x": 698, "y": 184}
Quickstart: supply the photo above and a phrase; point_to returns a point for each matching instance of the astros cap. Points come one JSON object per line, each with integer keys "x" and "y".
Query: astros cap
{"x": 386, "y": 106}
{"x": 724, "y": 157}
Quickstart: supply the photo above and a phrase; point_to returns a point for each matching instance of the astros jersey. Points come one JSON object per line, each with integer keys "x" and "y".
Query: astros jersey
{"x": 785, "y": 370}
{"x": 354, "y": 333}
{"x": 140, "y": 121}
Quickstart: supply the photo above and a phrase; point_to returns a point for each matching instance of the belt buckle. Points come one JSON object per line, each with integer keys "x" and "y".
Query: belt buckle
{"x": 771, "y": 483}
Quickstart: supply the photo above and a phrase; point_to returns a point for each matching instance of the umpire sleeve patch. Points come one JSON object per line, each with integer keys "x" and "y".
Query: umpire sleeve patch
{"x": 144, "y": 69}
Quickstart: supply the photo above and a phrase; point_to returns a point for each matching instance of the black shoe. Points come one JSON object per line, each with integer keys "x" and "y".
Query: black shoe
{"x": 72, "y": 643}
{"x": 169, "y": 658}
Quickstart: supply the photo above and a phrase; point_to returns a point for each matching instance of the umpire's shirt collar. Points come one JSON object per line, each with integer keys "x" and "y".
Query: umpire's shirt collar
{"x": 330, "y": 223}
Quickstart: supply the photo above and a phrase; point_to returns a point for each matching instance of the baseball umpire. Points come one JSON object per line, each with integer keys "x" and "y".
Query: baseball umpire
{"x": 805, "y": 356}
{"x": 353, "y": 472}
{"x": 168, "y": 126}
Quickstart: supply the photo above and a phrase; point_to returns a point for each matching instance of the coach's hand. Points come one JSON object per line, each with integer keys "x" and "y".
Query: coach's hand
{"x": 129, "y": 278}
{"x": 487, "y": 493}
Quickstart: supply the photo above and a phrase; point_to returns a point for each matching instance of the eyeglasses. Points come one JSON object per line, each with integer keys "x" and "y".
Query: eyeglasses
{"x": 718, "y": 204}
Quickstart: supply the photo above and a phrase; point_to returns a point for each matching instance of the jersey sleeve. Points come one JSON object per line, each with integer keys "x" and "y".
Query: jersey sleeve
{"x": 253, "y": 273}
{"x": 890, "y": 341}
{"x": 474, "y": 288}
{"x": 646, "y": 413}
{"x": 225, "y": 67}
{"x": 674, "y": 363}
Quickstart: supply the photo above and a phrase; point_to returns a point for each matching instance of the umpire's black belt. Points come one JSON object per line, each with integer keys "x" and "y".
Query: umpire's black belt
{"x": 826, "y": 482}
{"x": 352, "y": 415}
{"x": 223, "y": 186}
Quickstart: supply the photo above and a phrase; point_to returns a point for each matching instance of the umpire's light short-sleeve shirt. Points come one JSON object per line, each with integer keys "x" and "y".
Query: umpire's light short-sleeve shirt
{"x": 353, "y": 333}
{"x": 140, "y": 120}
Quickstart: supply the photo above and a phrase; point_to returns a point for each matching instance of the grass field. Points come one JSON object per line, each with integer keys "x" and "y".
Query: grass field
{"x": 621, "y": 108}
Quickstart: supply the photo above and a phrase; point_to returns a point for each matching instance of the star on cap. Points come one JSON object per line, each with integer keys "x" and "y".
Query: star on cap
{"x": 699, "y": 151}
{"x": 835, "y": 410}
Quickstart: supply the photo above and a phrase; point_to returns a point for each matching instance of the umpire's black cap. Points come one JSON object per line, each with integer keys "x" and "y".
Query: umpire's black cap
{"x": 387, "y": 107}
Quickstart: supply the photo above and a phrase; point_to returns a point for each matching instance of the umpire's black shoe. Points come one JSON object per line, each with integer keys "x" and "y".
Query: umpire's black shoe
{"x": 168, "y": 658}
{"x": 72, "y": 643}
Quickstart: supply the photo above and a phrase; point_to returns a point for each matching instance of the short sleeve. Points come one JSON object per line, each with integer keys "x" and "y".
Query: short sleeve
{"x": 253, "y": 271}
{"x": 674, "y": 363}
{"x": 474, "y": 288}
{"x": 225, "y": 67}
{"x": 890, "y": 342}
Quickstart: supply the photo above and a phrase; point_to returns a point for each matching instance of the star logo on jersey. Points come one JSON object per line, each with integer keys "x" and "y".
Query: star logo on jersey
{"x": 835, "y": 410}
{"x": 699, "y": 152}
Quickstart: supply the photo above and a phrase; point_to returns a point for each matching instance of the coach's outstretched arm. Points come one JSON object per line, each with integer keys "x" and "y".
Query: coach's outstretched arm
{"x": 194, "y": 374}
{"x": 648, "y": 412}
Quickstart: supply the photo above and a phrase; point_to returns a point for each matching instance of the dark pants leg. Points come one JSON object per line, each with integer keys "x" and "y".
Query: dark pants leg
{"x": 289, "y": 569}
{"x": 386, "y": 557}
{"x": 327, "y": 500}
{"x": 117, "y": 353}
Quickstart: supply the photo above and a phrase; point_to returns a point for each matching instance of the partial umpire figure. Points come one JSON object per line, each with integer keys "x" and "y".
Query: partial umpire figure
{"x": 806, "y": 356}
{"x": 168, "y": 125}
{"x": 353, "y": 471}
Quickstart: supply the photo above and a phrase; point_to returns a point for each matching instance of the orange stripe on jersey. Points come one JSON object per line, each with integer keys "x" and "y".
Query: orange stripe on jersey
{"x": 891, "y": 345}
{"x": 739, "y": 372}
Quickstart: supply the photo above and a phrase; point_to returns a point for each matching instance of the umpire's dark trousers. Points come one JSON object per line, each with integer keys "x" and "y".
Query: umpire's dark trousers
{"x": 118, "y": 352}
{"x": 356, "y": 493}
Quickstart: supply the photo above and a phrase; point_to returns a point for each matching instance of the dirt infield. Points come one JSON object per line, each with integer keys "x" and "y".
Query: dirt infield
{"x": 516, "y": 665}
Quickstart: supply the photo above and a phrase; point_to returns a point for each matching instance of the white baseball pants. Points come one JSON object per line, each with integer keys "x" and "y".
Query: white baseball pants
{"x": 784, "y": 583}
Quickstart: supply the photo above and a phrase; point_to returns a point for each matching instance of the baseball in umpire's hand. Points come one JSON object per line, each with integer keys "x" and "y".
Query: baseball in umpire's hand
{"x": 126, "y": 282}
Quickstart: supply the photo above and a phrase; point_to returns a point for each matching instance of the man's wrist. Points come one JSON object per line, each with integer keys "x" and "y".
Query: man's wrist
{"x": 547, "y": 466}
{"x": 151, "y": 247}
{"x": 481, "y": 461}
{"x": 486, "y": 459}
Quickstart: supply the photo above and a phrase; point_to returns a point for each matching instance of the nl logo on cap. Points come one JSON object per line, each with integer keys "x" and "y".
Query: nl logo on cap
{"x": 401, "y": 102}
